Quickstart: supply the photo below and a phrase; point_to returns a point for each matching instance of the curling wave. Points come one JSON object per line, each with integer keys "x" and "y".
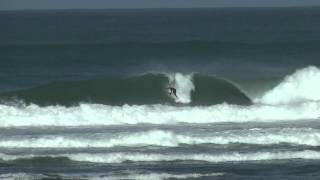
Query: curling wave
{"x": 136, "y": 90}
{"x": 193, "y": 89}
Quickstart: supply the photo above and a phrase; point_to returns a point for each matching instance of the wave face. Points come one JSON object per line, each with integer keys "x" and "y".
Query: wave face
{"x": 192, "y": 89}
{"x": 137, "y": 90}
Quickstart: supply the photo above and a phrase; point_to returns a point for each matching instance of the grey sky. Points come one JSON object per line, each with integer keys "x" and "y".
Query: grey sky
{"x": 105, "y": 4}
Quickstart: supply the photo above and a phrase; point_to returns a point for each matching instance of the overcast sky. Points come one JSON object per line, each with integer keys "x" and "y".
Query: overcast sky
{"x": 105, "y": 4}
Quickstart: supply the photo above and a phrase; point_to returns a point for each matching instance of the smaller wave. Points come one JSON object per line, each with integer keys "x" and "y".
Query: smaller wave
{"x": 154, "y": 157}
{"x": 302, "y": 86}
{"x": 170, "y": 139}
{"x": 162, "y": 176}
{"x": 131, "y": 175}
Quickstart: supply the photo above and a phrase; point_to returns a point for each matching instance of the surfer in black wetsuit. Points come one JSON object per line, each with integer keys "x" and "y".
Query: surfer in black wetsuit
{"x": 173, "y": 90}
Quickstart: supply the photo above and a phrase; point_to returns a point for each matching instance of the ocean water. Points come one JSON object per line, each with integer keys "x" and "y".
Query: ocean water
{"x": 83, "y": 94}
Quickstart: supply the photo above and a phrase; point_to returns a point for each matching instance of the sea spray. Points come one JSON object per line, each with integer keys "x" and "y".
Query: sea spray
{"x": 184, "y": 85}
{"x": 302, "y": 86}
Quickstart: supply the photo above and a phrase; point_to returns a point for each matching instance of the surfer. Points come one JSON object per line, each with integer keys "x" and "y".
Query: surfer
{"x": 173, "y": 90}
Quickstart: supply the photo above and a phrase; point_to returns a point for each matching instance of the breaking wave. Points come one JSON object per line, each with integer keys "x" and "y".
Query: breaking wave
{"x": 95, "y": 114}
{"x": 192, "y": 89}
{"x": 302, "y": 86}
{"x": 295, "y": 98}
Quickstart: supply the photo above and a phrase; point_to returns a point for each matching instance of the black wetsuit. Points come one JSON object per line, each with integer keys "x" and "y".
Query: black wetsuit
{"x": 173, "y": 90}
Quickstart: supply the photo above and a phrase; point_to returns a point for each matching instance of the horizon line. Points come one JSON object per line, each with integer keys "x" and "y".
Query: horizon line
{"x": 155, "y": 8}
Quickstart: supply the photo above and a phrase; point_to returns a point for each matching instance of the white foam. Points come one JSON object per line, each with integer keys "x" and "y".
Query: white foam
{"x": 302, "y": 86}
{"x": 152, "y": 157}
{"x": 159, "y": 176}
{"x": 260, "y": 156}
{"x": 94, "y": 114}
{"x": 308, "y": 137}
{"x": 184, "y": 85}
{"x": 15, "y": 176}
{"x": 96, "y": 176}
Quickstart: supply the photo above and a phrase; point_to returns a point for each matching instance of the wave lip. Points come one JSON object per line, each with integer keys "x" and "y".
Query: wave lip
{"x": 154, "y": 157}
{"x": 169, "y": 139}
